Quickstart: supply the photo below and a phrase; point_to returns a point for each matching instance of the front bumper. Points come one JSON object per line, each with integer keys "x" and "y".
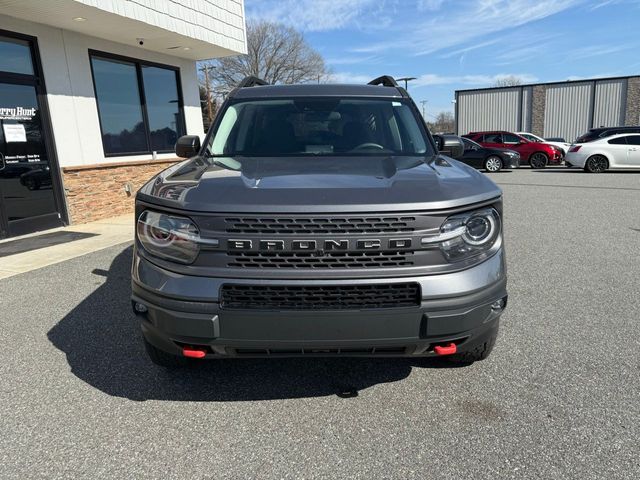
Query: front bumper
{"x": 511, "y": 162}
{"x": 183, "y": 310}
{"x": 557, "y": 157}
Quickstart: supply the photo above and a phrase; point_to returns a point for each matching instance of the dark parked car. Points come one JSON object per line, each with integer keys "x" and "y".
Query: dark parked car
{"x": 536, "y": 154}
{"x": 601, "y": 132}
{"x": 318, "y": 220}
{"x": 491, "y": 159}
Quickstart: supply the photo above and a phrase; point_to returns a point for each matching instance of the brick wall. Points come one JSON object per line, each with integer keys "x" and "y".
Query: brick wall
{"x": 632, "y": 115}
{"x": 98, "y": 191}
{"x": 538, "y": 105}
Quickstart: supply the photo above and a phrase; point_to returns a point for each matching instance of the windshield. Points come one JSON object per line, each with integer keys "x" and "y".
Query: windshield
{"x": 319, "y": 126}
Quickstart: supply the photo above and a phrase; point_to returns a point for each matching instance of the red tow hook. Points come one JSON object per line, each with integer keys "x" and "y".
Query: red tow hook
{"x": 193, "y": 352}
{"x": 447, "y": 349}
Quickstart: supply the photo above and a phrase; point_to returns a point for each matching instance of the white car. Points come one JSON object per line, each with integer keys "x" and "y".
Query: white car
{"x": 564, "y": 146}
{"x": 609, "y": 153}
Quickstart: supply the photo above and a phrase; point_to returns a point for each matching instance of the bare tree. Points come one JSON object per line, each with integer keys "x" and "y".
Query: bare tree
{"x": 508, "y": 81}
{"x": 443, "y": 123}
{"x": 276, "y": 53}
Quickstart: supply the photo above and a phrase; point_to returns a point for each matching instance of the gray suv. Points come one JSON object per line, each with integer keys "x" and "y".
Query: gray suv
{"x": 318, "y": 220}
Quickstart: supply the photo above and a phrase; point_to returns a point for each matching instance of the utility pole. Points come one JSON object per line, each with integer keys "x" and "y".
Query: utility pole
{"x": 424, "y": 110}
{"x": 205, "y": 69}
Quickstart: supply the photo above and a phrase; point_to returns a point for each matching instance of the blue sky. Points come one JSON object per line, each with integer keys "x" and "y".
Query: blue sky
{"x": 456, "y": 44}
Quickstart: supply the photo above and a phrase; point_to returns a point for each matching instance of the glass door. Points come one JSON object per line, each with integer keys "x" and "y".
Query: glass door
{"x": 27, "y": 197}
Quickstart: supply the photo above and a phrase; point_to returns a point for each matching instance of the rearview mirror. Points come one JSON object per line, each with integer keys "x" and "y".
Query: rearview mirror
{"x": 450, "y": 145}
{"x": 188, "y": 146}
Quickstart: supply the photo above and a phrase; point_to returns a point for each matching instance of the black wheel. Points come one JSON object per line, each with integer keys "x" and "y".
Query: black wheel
{"x": 493, "y": 163}
{"x": 538, "y": 160}
{"x": 596, "y": 164}
{"x": 164, "y": 359}
{"x": 480, "y": 352}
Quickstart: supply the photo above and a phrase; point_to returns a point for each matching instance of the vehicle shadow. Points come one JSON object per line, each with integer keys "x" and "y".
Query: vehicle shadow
{"x": 103, "y": 345}
{"x": 581, "y": 171}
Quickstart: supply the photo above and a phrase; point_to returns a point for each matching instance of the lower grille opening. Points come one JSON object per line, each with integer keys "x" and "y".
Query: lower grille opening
{"x": 331, "y": 297}
{"x": 321, "y": 351}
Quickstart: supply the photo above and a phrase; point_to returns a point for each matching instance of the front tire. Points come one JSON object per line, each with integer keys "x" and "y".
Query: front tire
{"x": 538, "y": 160}
{"x": 480, "y": 352}
{"x": 596, "y": 164}
{"x": 493, "y": 164}
{"x": 164, "y": 359}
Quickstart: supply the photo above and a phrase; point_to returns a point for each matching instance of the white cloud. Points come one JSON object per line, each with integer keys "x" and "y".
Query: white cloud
{"x": 353, "y": 59}
{"x": 596, "y": 51}
{"x": 478, "y": 80}
{"x": 475, "y": 46}
{"x": 347, "y": 77}
{"x": 469, "y": 20}
{"x": 314, "y": 15}
{"x": 430, "y": 5}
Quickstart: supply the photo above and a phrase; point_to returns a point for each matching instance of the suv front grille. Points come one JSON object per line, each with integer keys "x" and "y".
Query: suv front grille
{"x": 332, "y": 297}
{"x": 279, "y": 260}
{"x": 321, "y": 225}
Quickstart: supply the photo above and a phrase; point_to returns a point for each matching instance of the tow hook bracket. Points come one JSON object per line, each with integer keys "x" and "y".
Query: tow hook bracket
{"x": 446, "y": 349}
{"x": 193, "y": 352}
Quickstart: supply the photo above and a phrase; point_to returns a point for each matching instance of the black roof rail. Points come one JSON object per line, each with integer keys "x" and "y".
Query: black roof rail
{"x": 385, "y": 81}
{"x": 251, "y": 81}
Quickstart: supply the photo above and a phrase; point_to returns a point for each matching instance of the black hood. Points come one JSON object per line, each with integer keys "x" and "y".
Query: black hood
{"x": 318, "y": 184}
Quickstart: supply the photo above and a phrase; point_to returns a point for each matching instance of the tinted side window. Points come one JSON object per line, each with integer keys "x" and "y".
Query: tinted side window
{"x": 467, "y": 144}
{"x": 618, "y": 141}
{"x": 509, "y": 138}
{"x": 633, "y": 139}
{"x": 493, "y": 138}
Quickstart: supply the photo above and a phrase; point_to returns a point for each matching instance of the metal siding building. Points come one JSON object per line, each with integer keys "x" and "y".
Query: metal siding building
{"x": 560, "y": 109}
{"x": 567, "y": 110}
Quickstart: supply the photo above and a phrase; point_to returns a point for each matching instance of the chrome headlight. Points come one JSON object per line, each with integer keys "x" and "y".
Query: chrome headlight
{"x": 470, "y": 234}
{"x": 168, "y": 236}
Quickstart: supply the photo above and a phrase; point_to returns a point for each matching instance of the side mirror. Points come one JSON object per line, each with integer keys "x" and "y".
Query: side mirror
{"x": 450, "y": 145}
{"x": 187, "y": 146}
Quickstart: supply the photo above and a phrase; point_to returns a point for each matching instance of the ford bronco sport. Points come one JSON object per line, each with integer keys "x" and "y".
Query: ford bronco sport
{"x": 318, "y": 220}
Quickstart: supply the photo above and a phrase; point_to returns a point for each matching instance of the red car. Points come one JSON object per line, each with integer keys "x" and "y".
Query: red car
{"x": 538, "y": 155}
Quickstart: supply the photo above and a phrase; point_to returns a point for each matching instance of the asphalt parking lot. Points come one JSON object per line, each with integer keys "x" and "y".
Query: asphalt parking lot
{"x": 558, "y": 398}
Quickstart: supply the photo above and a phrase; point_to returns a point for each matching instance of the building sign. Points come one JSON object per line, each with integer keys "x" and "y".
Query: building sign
{"x": 14, "y": 133}
{"x": 17, "y": 113}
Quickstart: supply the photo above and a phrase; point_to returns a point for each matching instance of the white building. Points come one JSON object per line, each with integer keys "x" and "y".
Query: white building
{"x": 93, "y": 95}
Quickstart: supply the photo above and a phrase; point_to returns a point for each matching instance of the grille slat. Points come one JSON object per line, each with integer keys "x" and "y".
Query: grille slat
{"x": 320, "y": 351}
{"x": 320, "y": 225}
{"x": 377, "y": 259}
{"x": 338, "y": 297}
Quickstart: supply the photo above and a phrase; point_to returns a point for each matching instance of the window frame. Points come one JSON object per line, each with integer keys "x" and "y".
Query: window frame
{"x": 138, "y": 64}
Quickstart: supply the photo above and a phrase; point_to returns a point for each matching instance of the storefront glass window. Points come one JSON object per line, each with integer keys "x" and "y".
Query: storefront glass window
{"x": 123, "y": 129}
{"x": 161, "y": 91}
{"x": 15, "y": 56}
{"x": 139, "y": 106}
